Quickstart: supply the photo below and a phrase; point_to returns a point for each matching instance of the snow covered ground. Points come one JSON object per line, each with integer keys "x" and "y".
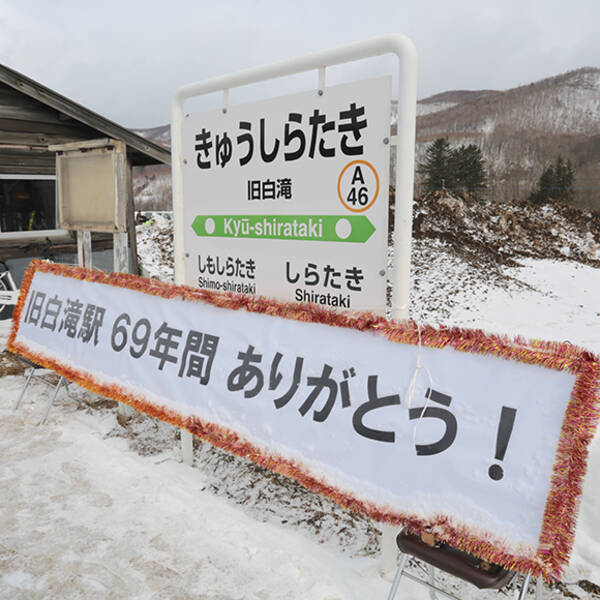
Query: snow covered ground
{"x": 91, "y": 509}
{"x": 84, "y": 517}
{"x": 542, "y": 299}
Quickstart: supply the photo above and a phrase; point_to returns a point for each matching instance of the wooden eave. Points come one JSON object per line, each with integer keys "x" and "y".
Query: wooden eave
{"x": 32, "y": 117}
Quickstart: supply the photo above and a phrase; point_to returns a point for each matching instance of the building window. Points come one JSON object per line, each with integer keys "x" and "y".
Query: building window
{"x": 27, "y": 204}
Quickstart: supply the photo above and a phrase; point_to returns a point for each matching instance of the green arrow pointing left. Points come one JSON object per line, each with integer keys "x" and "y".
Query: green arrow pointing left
{"x": 315, "y": 228}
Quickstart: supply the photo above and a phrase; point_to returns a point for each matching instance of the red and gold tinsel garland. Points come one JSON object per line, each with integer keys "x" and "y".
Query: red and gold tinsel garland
{"x": 579, "y": 425}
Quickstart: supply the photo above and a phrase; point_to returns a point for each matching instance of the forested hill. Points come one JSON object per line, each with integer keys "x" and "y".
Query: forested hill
{"x": 520, "y": 131}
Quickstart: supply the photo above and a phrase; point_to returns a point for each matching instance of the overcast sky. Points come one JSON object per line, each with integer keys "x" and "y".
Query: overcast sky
{"x": 125, "y": 58}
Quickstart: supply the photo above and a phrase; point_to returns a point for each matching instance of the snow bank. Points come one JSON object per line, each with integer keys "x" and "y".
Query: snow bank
{"x": 83, "y": 517}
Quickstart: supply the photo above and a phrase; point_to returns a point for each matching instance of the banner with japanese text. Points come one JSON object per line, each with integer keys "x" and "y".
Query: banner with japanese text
{"x": 288, "y": 197}
{"x": 485, "y": 444}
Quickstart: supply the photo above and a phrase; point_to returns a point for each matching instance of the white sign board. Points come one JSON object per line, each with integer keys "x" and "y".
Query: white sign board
{"x": 329, "y": 405}
{"x": 288, "y": 197}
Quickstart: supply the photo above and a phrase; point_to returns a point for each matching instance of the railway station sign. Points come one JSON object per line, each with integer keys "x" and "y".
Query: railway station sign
{"x": 288, "y": 197}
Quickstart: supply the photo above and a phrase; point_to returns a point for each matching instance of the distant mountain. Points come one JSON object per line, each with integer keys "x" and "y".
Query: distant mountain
{"x": 458, "y": 96}
{"x": 520, "y": 131}
{"x": 160, "y": 135}
{"x": 446, "y": 100}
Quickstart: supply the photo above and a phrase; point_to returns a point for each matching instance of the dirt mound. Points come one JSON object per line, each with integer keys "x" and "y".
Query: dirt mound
{"x": 503, "y": 232}
{"x": 494, "y": 232}
{"x": 10, "y": 364}
{"x": 155, "y": 247}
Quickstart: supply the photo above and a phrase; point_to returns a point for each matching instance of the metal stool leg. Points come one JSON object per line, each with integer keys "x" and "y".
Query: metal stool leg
{"x": 18, "y": 402}
{"x": 394, "y": 589}
{"x": 65, "y": 383}
{"x": 70, "y": 394}
{"x": 49, "y": 405}
{"x": 539, "y": 589}
{"x": 524, "y": 587}
{"x": 432, "y": 593}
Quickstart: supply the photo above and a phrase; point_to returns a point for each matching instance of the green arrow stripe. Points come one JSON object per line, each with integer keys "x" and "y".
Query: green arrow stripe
{"x": 315, "y": 228}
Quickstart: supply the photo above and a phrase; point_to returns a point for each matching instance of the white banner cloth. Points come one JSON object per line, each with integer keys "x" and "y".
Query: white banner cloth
{"x": 331, "y": 400}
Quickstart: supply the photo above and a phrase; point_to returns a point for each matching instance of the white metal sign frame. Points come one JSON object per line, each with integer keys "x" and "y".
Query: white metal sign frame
{"x": 396, "y": 44}
{"x": 406, "y": 52}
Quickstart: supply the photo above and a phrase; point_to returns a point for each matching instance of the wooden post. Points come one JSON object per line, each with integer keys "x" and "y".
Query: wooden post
{"x": 133, "y": 262}
{"x": 122, "y": 258}
{"x": 84, "y": 249}
{"x": 121, "y": 264}
{"x": 120, "y": 253}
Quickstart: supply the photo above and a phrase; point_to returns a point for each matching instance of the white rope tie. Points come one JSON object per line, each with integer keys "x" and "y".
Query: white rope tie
{"x": 410, "y": 391}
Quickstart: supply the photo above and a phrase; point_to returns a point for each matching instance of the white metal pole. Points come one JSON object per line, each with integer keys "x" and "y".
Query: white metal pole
{"x": 396, "y": 44}
{"x": 27, "y": 382}
{"x": 51, "y": 401}
{"x": 403, "y": 198}
{"x": 398, "y": 576}
{"x": 187, "y": 442}
{"x": 405, "y": 173}
{"x": 525, "y": 586}
{"x": 389, "y": 549}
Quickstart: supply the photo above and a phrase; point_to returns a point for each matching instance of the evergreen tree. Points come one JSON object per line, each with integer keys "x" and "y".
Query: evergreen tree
{"x": 460, "y": 170}
{"x": 436, "y": 166}
{"x": 545, "y": 189}
{"x": 468, "y": 166}
{"x": 563, "y": 180}
{"x": 556, "y": 182}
